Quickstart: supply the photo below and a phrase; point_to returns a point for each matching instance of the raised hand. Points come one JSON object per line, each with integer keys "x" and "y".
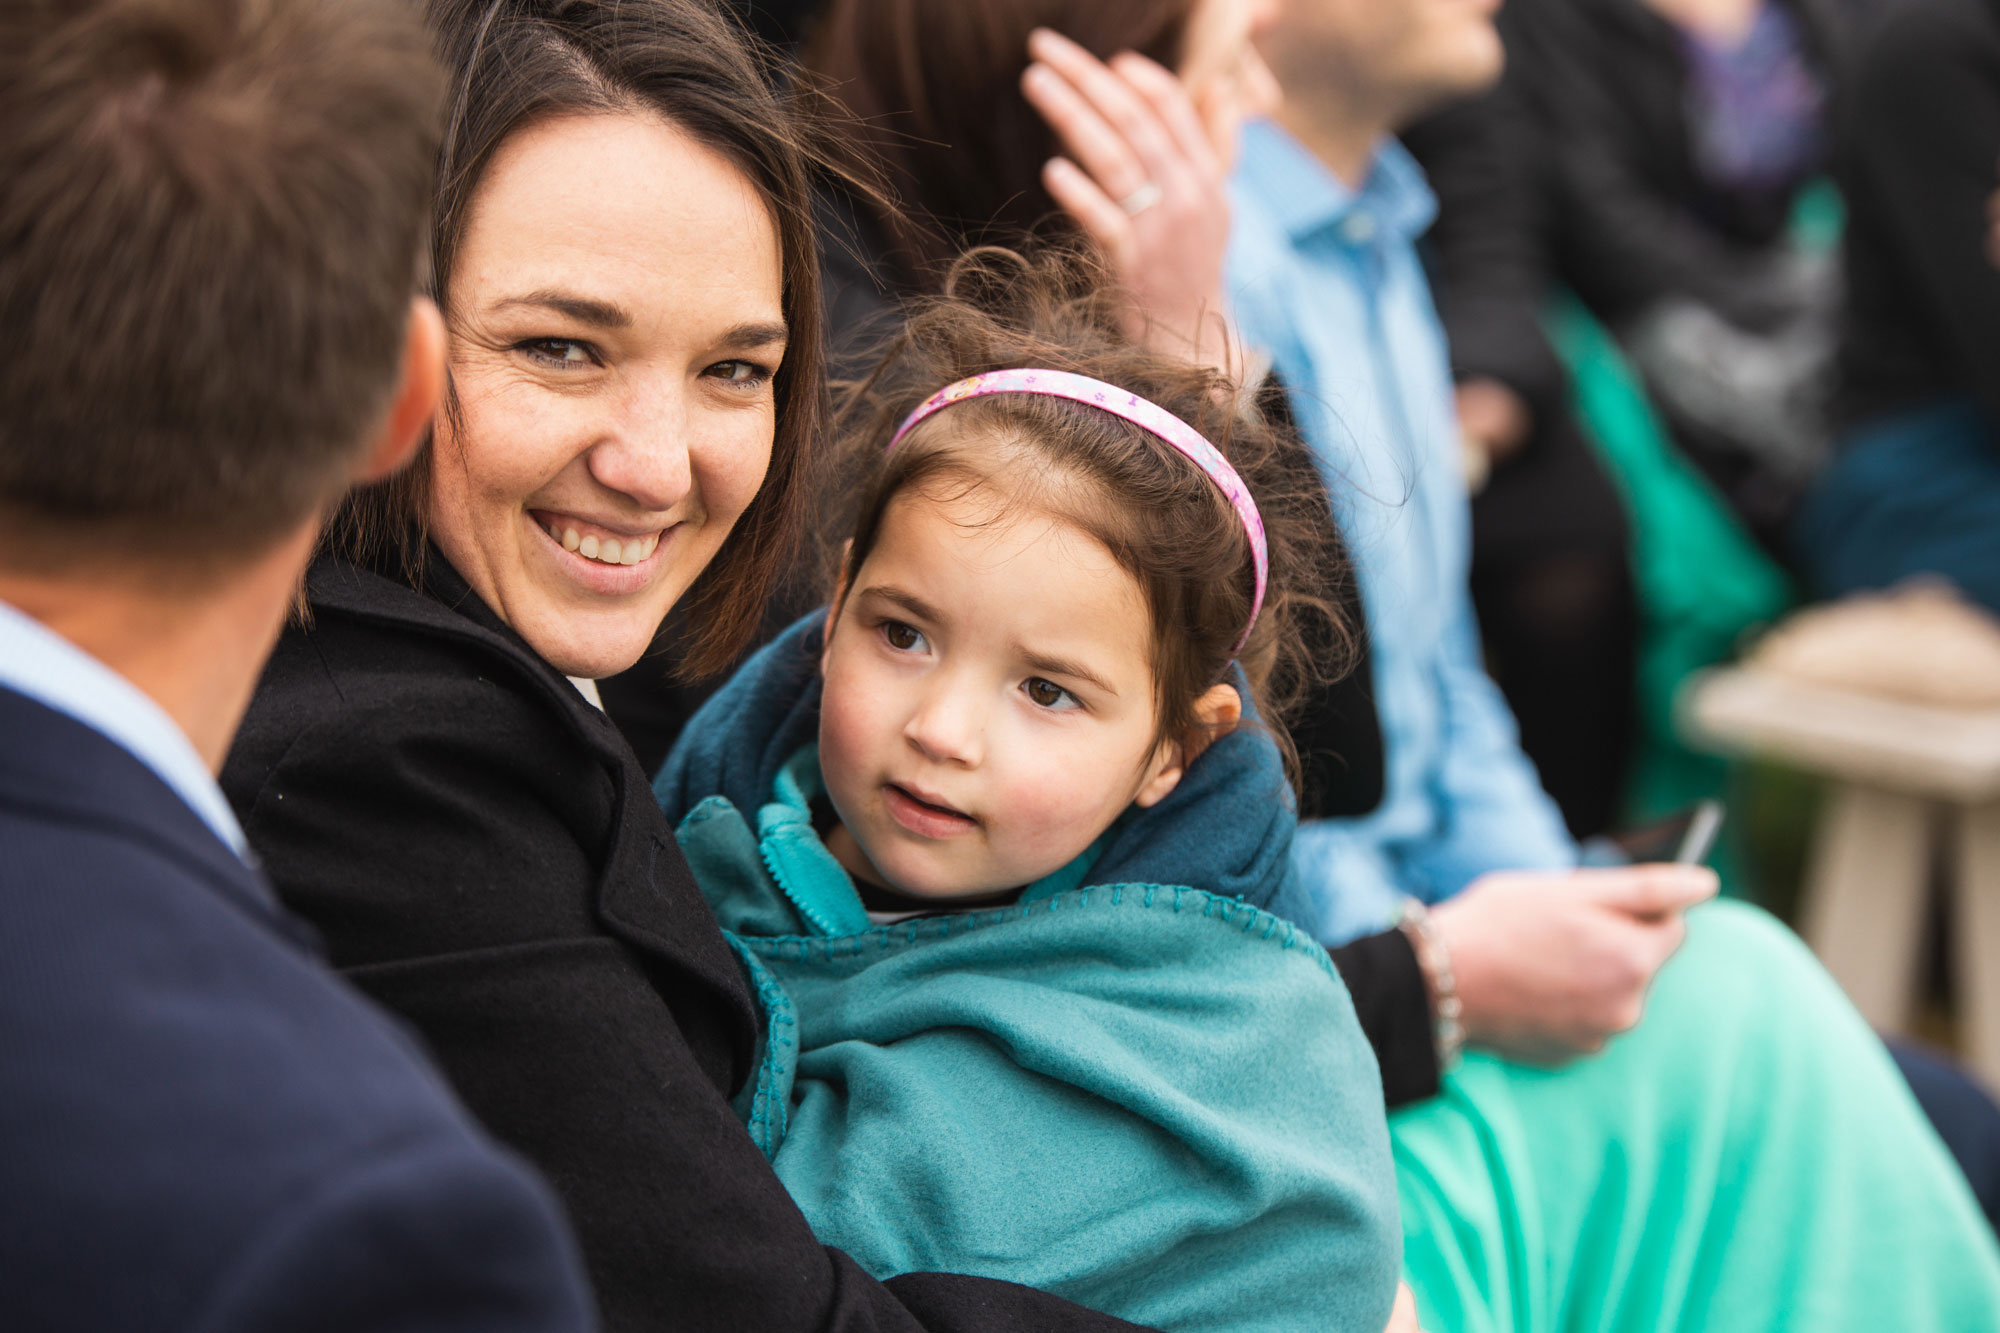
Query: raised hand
{"x": 1145, "y": 183}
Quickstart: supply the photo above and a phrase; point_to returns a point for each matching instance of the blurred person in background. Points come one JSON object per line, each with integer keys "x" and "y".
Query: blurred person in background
{"x": 1682, "y": 133}
{"x": 208, "y": 316}
{"x": 967, "y": 159}
{"x": 1915, "y": 485}
{"x": 1552, "y": 580}
{"x": 1326, "y": 277}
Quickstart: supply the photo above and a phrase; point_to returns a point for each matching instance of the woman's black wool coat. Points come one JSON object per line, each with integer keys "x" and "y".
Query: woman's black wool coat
{"x": 482, "y": 855}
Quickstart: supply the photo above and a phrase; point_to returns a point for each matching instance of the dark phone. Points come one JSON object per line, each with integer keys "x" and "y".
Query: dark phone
{"x": 1685, "y": 838}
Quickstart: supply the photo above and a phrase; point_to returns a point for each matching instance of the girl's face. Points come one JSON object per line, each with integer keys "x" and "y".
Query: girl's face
{"x": 1222, "y": 70}
{"x": 615, "y": 326}
{"x": 989, "y": 706}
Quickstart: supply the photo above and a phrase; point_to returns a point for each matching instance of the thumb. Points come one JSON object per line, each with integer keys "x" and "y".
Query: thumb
{"x": 1652, "y": 890}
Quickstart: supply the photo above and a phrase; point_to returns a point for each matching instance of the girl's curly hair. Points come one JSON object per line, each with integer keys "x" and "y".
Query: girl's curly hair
{"x": 1159, "y": 515}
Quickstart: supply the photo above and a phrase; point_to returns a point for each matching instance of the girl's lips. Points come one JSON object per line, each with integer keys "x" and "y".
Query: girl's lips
{"x": 922, "y": 818}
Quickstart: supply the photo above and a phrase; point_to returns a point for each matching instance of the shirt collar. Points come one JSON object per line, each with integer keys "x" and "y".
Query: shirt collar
{"x": 1394, "y": 204}
{"x": 37, "y": 662}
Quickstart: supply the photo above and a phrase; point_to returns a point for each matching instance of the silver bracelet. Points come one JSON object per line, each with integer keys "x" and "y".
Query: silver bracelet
{"x": 1447, "y": 1014}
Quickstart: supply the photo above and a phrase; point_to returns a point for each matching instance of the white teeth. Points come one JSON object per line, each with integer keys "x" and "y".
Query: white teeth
{"x": 609, "y": 550}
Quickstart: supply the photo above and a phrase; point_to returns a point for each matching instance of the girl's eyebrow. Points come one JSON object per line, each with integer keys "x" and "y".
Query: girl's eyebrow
{"x": 909, "y": 601}
{"x": 1063, "y": 666}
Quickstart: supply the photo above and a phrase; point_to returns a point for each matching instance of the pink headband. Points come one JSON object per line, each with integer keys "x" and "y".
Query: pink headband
{"x": 1148, "y": 415}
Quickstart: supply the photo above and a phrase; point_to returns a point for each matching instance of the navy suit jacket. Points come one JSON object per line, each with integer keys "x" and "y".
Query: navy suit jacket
{"x": 201, "y": 1126}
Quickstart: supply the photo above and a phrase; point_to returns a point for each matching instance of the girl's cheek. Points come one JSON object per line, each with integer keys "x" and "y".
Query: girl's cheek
{"x": 1058, "y": 800}
{"x": 860, "y": 711}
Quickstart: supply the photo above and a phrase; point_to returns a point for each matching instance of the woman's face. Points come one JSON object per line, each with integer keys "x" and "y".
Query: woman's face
{"x": 1222, "y": 70}
{"x": 615, "y": 325}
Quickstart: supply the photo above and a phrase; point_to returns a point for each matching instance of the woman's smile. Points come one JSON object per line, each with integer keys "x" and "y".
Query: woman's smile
{"x": 599, "y": 542}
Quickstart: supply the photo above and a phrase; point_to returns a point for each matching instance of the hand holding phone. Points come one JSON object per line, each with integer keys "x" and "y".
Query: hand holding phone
{"x": 1699, "y": 839}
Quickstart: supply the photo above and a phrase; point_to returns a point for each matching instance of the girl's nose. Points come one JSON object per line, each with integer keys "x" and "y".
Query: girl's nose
{"x": 646, "y": 454}
{"x": 948, "y": 727}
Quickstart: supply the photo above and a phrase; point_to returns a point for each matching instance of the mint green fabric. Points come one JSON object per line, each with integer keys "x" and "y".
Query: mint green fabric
{"x": 1149, "y": 1099}
{"x": 1746, "y": 1161}
{"x": 1702, "y": 581}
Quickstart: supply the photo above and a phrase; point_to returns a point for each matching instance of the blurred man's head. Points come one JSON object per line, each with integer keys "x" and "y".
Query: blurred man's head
{"x": 1385, "y": 62}
{"x": 209, "y": 236}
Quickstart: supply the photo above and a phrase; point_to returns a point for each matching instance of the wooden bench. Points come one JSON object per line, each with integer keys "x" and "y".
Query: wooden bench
{"x": 1902, "y": 776}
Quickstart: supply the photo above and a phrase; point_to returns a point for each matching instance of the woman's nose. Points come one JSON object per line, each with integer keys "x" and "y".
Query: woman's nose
{"x": 948, "y": 726}
{"x": 647, "y": 452}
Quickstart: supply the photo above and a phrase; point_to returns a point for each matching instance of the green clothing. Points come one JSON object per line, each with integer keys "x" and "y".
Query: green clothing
{"x": 1746, "y": 1159}
{"x": 1703, "y": 584}
{"x": 1137, "y": 1087}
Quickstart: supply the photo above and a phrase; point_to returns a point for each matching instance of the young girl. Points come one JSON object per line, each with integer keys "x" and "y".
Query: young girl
{"x": 998, "y": 837}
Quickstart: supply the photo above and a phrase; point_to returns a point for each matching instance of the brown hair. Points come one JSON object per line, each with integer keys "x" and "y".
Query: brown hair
{"x": 934, "y": 92}
{"x": 516, "y": 62}
{"x": 209, "y": 239}
{"x": 1159, "y": 515}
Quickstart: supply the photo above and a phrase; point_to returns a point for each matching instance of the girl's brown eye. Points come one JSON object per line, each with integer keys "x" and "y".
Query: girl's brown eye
{"x": 900, "y": 635}
{"x": 1046, "y": 693}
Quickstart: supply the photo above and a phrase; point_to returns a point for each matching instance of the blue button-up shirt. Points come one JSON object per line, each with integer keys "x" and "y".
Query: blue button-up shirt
{"x": 1327, "y": 282}
{"x": 44, "y": 666}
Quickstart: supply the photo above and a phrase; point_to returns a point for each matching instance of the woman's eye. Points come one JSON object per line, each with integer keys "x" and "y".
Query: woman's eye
{"x": 1048, "y": 694}
{"x": 740, "y": 374}
{"x": 561, "y": 353}
{"x": 903, "y": 638}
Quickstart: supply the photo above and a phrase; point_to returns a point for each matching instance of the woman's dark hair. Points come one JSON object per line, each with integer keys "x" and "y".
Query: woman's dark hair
{"x": 1159, "y": 515}
{"x": 934, "y": 92}
{"x": 513, "y": 63}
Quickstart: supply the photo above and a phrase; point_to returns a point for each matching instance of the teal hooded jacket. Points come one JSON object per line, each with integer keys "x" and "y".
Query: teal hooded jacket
{"x": 1137, "y": 1087}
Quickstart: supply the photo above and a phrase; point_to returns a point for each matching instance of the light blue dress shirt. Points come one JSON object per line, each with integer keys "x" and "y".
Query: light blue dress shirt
{"x": 1326, "y": 280}
{"x": 44, "y": 666}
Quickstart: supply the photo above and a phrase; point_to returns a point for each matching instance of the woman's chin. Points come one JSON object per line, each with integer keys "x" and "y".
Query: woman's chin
{"x": 591, "y": 652}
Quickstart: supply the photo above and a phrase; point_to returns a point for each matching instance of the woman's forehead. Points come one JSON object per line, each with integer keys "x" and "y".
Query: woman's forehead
{"x": 620, "y": 210}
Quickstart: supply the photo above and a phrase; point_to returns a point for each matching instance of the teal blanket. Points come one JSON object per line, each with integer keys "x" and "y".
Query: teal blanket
{"x": 1146, "y": 1097}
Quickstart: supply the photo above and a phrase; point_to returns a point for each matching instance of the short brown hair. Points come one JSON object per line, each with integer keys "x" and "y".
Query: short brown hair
{"x": 935, "y": 96}
{"x": 513, "y": 63}
{"x": 210, "y": 233}
{"x": 1158, "y": 514}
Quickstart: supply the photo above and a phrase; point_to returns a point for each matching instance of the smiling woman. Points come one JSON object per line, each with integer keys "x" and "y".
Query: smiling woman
{"x": 614, "y": 414}
{"x": 623, "y": 251}
{"x": 620, "y": 240}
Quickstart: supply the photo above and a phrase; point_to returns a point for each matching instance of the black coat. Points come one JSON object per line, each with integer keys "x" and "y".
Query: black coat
{"x": 1608, "y": 79}
{"x": 1919, "y": 141}
{"x": 484, "y": 856}
{"x": 200, "y": 1127}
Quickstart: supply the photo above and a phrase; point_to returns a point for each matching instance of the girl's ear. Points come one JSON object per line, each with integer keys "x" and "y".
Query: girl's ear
{"x": 1216, "y": 714}
{"x": 833, "y": 606}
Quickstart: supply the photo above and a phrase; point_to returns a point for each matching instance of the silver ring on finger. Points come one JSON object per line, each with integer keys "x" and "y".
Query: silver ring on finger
{"x": 1141, "y": 199}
